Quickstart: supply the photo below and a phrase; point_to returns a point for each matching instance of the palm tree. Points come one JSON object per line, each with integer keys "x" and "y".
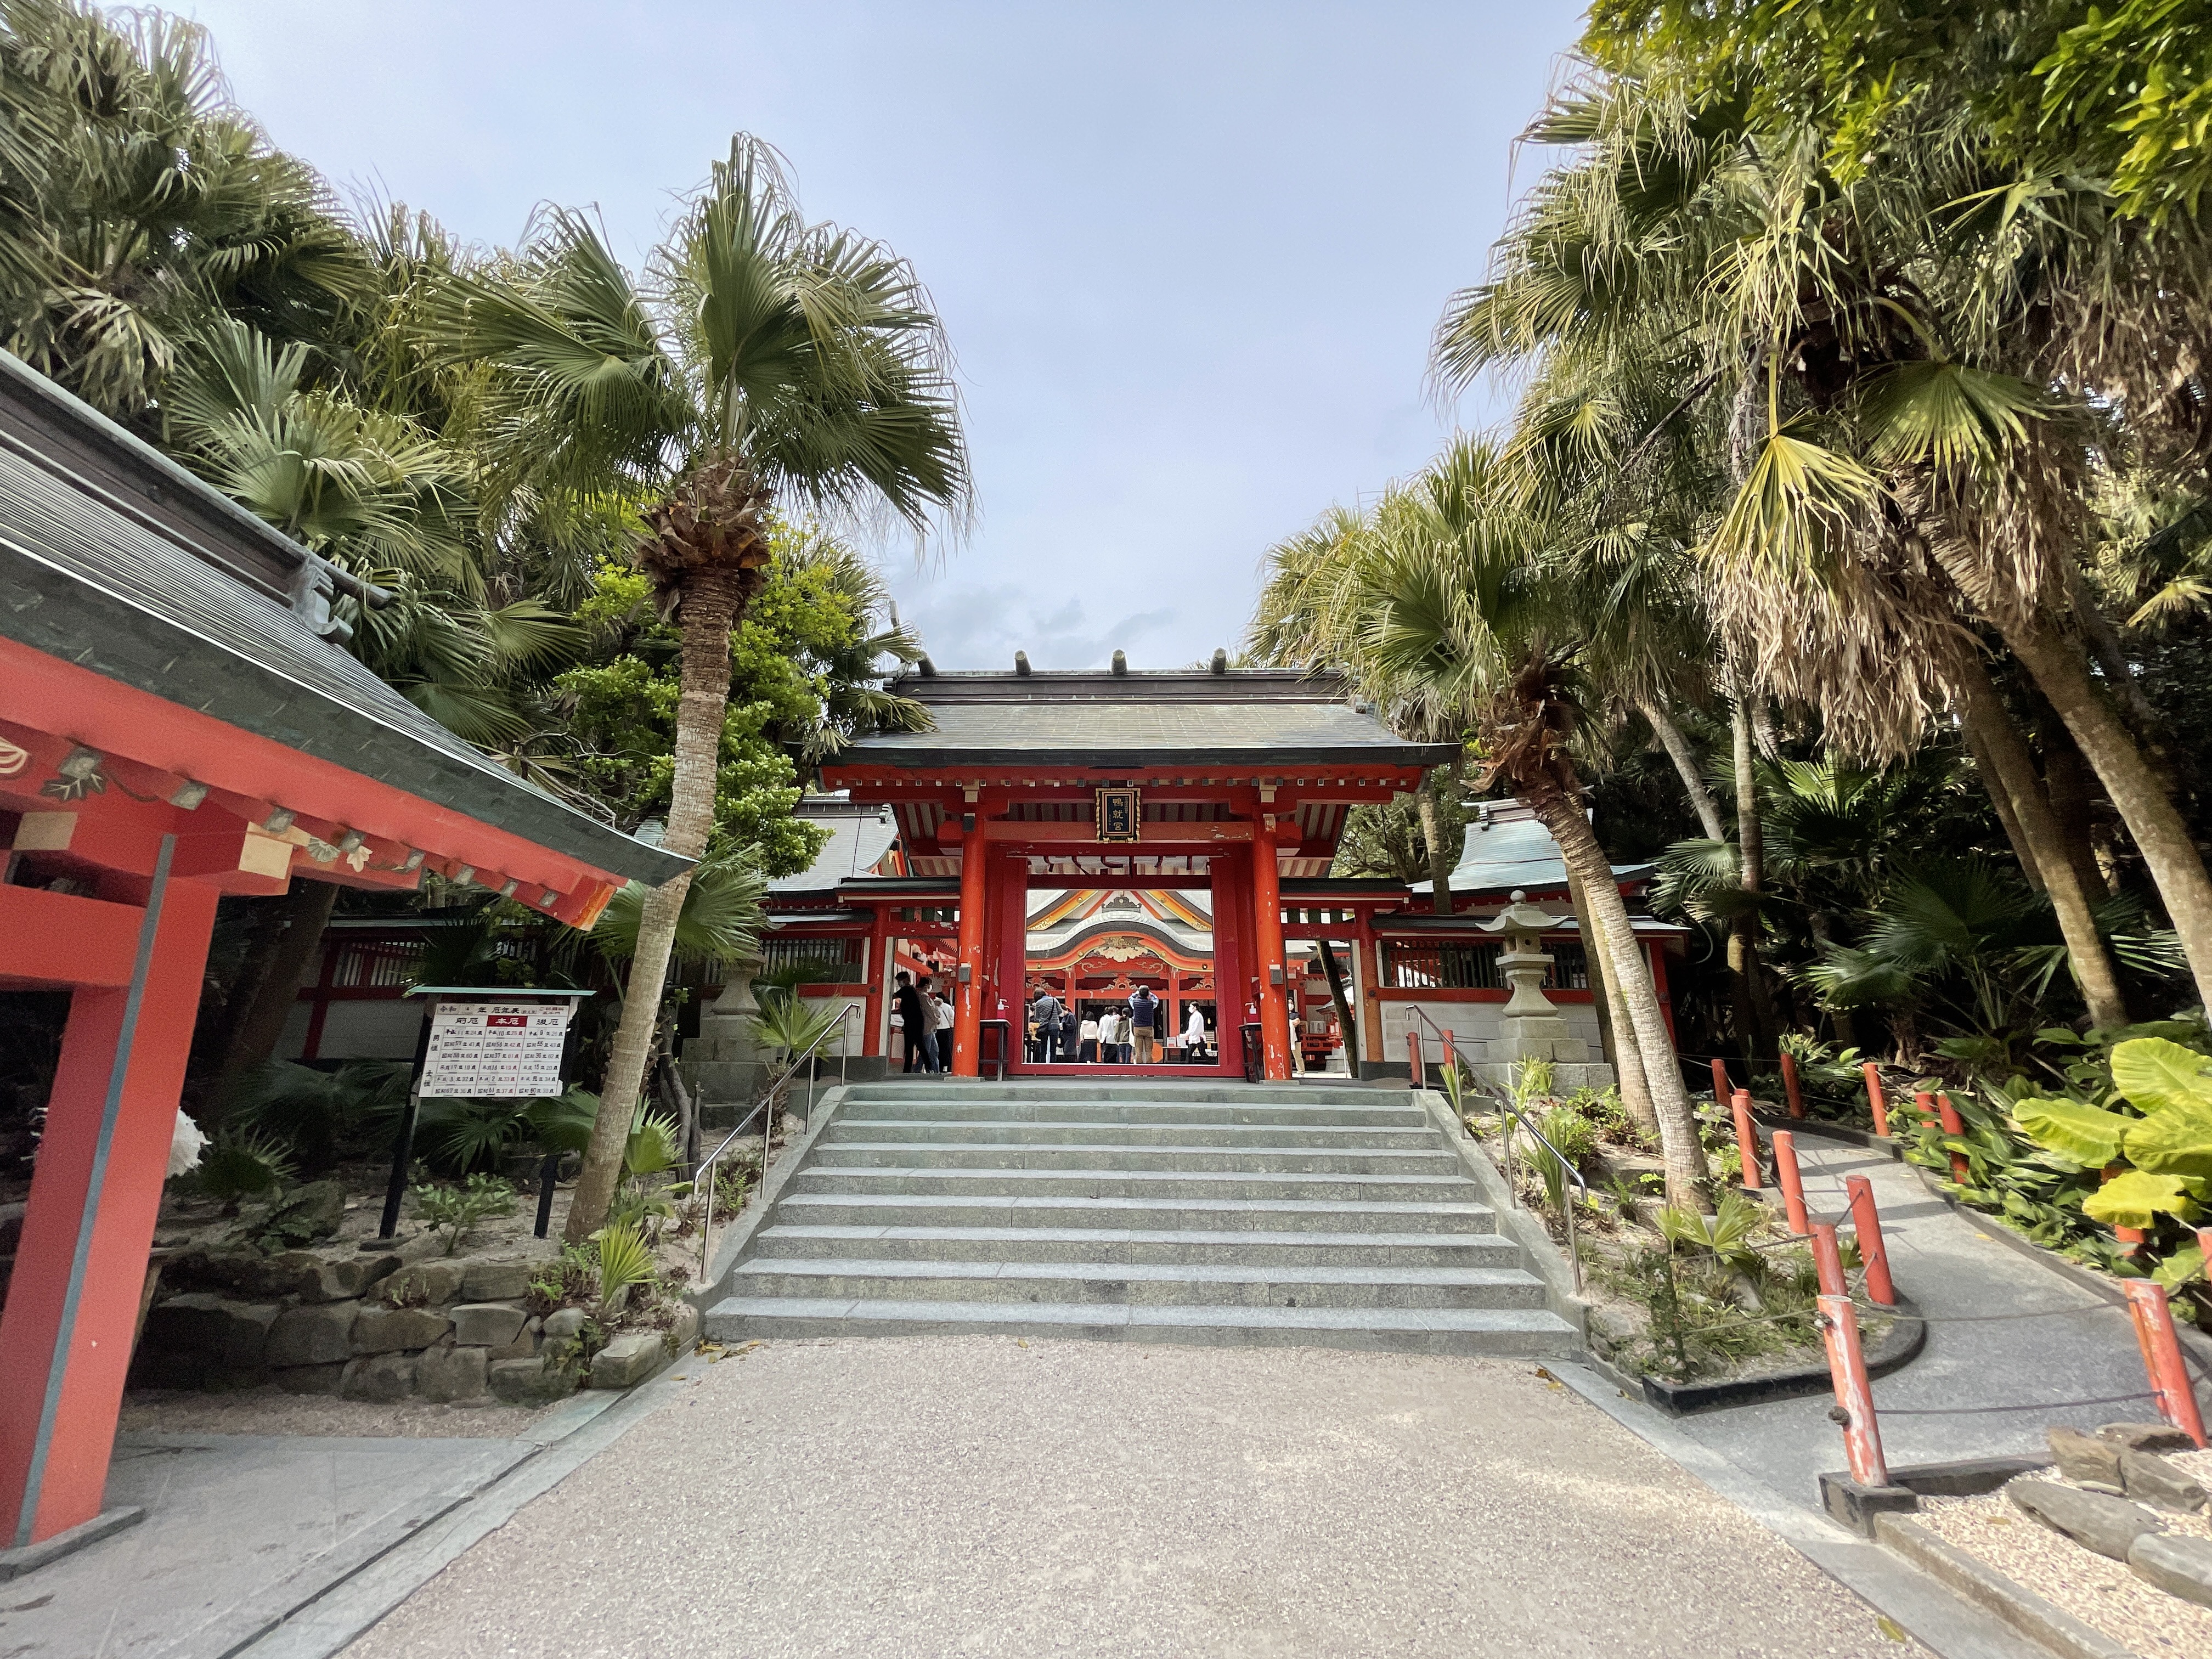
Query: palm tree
{"x": 1870, "y": 491}
{"x": 136, "y": 201}
{"x": 1450, "y": 599}
{"x": 765, "y": 357}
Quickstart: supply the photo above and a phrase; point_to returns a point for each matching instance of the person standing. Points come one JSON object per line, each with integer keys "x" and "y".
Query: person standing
{"x": 1045, "y": 1011}
{"x": 1110, "y": 1036}
{"x": 1144, "y": 1024}
{"x": 916, "y": 1020}
{"x": 1070, "y": 1035}
{"x": 1193, "y": 1037}
{"x": 1087, "y": 1034}
{"x": 941, "y": 1036}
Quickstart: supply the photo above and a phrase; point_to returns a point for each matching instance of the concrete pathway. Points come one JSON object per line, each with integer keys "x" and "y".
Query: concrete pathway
{"x": 239, "y": 1529}
{"x": 979, "y": 1496}
{"x": 1956, "y": 1269}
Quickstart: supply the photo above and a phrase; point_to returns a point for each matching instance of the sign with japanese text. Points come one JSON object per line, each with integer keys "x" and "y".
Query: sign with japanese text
{"x": 496, "y": 1049}
{"x": 1120, "y": 812}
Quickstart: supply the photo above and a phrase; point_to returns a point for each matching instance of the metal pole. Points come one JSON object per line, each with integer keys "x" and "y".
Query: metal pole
{"x": 403, "y": 1143}
{"x": 1873, "y": 1256}
{"x": 1792, "y": 1183}
{"x": 1789, "y": 1085}
{"x": 1839, "y": 1333}
{"x": 1746, "y": 1139}
{"x": 548, "y": 1174}
{"x": 2162, "y": 1353}
{"x": 1875, "y": 1101}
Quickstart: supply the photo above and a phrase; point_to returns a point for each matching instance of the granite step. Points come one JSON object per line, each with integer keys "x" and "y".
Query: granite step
{"x": 1195, "y": 1284}
{"x": 1254, "y": 1248}
{"x": 1181, "y": 1186}
{"x": 1208, "y": 1215}
{"x": 1353, "y": 1159}
{"x": 926, "y": 1132}
{"x": 1515, "y": 1332}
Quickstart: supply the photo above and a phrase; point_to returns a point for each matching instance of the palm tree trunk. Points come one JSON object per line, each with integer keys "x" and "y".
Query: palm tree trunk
{"x": 2066, "y": 781}
{"x": 1443, "y": 859}
{"x": 1688, "y": 1182}
{"x": 1621, "y": 1037}
{"x": 1676, "y": 743}
{"x": 708, "y": 612}
{"x": 260, "y": 1027}
{"x": 1993, "y": 785}
{"x": 1753, "y": 1008}
{"x": 1991, "y": 729}
{"x": 2161, "y": 836}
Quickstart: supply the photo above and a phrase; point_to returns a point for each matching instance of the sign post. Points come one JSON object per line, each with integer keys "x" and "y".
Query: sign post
{"x": 478, "y": 1042}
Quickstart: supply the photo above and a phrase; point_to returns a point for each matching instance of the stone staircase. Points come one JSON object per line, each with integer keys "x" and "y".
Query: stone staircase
{"x": 1202, "y": 1212}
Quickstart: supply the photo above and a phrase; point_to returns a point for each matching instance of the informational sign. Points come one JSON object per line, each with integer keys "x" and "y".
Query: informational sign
{"x": 1120, "y": 812}
{"x": 496, "y": 1049}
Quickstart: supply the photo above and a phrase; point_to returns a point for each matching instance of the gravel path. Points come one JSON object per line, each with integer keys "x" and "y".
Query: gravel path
{"x": 2100, "y": 1592}
{"x": 269, "y": 1410}
{"x": 981, "y": 1496}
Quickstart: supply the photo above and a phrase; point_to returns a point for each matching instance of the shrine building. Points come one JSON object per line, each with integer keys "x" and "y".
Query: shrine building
{"x": 179, "y": 720}
{"x": 1086, "y": 833}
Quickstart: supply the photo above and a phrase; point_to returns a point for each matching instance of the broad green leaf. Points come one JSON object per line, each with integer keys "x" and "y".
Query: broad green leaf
{"x": 2153, "y": 1073}
{"x": 2089, "y": 1135}
{"x": 2176, "y": 1141}
{"x": 2136, "y": 1198}
{"x": 2179, "y": 1268}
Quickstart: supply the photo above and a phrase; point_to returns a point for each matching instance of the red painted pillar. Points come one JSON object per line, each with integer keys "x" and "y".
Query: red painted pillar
{"x": 975, "y": 915}
{"x": 72, "y": 1306}
{"x": 1231, "y": 954}
{"x": 880, "y": 975}
{"x": 1267, "y": 917}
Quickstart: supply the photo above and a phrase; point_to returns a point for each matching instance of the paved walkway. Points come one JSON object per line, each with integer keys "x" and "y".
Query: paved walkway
{"x": 1956, "y": 1269}
{"x": 976, "y": 1496}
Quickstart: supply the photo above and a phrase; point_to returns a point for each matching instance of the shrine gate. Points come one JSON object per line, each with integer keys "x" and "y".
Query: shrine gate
{"x": 1231, "y": 780}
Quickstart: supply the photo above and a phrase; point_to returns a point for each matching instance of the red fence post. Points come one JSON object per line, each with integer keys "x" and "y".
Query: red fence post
{"x": 1722, "y": 1090}
{"x": 1839, "y": 1333}
{"x": 1747, "y": 1139}
{"x": 2162, "y": 1353}
{"x": 1924, "y": 1104}
{"x": 1828, "y": 1257}
{"x": 1955, "y": 1126}
{"x": 1792, "y": 1184}
{"x": 1790, "y": 1085}
{"x": 1875, "y": 1102}
{"x": 1866, "y": 1222}
{"x": 1451, "y": 1055}
{"x": 2130, "y": 1238}
{"x": 1414, "y": 1066}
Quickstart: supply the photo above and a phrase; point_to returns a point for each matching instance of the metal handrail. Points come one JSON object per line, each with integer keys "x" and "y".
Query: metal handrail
{"x": 768, "y": 1126}
{"x": 1506, "y": 1141}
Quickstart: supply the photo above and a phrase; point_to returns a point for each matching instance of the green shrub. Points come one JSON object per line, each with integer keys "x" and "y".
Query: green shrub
{"x": 240, "y": 1165}
{"x": 459, "y": 1209}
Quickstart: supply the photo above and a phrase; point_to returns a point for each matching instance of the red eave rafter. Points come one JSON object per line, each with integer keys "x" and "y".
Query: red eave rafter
{"x": 317, "y": 805}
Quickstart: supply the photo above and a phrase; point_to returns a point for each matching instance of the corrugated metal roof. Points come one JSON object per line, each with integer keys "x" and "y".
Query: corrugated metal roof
{"x": 1501, "y": 854}
{"x": 859, "y": 838}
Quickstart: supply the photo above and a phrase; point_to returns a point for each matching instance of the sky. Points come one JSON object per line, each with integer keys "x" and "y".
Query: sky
{"x": 1189, "y": 256}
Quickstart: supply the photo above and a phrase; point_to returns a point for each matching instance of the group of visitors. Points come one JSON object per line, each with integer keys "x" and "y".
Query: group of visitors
{"x": 925, "y": 1018}
{"x": 1128, "y": 1035}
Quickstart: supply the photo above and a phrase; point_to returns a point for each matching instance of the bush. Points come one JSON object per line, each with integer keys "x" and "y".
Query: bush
{"x": 459, "y": 1209}
{"x": 240, "y": 1166}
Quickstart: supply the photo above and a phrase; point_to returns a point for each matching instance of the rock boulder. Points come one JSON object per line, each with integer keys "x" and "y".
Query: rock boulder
{"x": 2108, "y": 1525}
{"x": 2084, "y": 1457}
{"x": 2178, "y": 1565}
{"x": 487, "y": 1324}
{"x": 318, "y": 1335}
{"x": 387, "y": 1330}
{"x": 494, "y": 1281}
{"x": 528, "y": 1382}
{"x": 629, "y": 1360}
{"x": 449, "y": 1374}
{"x": 2147, "y": 1436}
{"x": 2159, "y": 1482}
{"x": 383, "y": 1377}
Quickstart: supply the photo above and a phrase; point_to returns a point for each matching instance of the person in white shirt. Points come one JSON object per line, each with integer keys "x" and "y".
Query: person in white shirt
{"x": 942, "y": 1037}
{"x": 1113, "y": 1032}
{"x": 1087, "y": 1034}
{"x": 1193, "y": 1037}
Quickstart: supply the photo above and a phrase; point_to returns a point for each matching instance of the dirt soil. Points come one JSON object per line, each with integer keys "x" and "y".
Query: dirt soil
{"x": 2101, "y": 1593}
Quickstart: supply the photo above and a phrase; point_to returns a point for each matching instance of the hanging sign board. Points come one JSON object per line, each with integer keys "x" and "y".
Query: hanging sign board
{"x": 1120, "y": 812}
{"x": 496, "y": 1049}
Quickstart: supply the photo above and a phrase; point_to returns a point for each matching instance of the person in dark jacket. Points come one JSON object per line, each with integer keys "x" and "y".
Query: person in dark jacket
{"x": 1144, "y": 1024}
{"x": 1044, "y": 1012}
{"x": 916, "y": 1018}
{"x": 1071, "y": 1035}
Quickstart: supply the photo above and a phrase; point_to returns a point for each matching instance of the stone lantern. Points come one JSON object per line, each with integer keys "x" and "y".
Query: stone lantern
{"x": 1530, "y": 1026}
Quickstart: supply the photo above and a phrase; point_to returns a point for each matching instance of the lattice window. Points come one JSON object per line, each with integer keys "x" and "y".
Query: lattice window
{"x": 838, "y": 960}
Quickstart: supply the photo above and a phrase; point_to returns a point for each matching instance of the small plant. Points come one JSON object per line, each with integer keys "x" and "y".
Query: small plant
{"x": 1629, "y": 1202}
{"x": 624, "y": 1260}
{"x": 567, "y": 1281}
{"x": 1532, "y": 1082}
{"x": 1726, "y": 1235}
{"x": 241, "y": 1166}
{"x": 459, "y": 1209}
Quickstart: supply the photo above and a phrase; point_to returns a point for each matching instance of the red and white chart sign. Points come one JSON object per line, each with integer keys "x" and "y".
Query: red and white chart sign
{"x": 496, "y": 1049}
